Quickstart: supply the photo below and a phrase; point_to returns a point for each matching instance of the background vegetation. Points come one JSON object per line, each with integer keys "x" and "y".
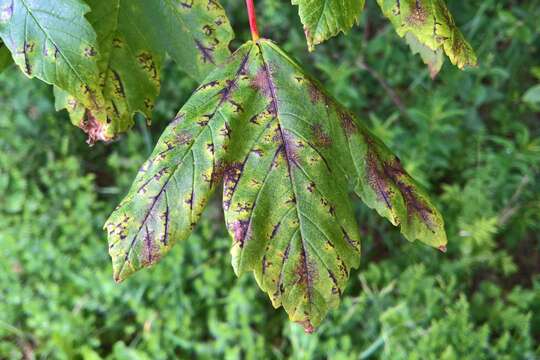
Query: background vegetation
{"x": 472, "y": 138}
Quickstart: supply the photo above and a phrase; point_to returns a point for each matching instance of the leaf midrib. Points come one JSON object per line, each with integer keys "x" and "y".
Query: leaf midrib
{"x": 293, "y": 185}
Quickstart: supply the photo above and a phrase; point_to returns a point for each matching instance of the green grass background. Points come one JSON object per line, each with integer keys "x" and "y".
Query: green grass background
{"x": 471, "y": 138}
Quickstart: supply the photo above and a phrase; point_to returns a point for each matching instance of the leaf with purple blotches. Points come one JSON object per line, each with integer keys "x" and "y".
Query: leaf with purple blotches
{"x": 288, "y": 154}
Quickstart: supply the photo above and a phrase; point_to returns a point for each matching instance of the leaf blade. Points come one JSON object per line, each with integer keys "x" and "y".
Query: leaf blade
{"x": 204, "y": 39}
{"x": 55, "y": 43}
{"x": 129, "y": 65}
{"x": 431, "y": 23}
{"x": 184, "y": 168}
{"x": 289, "y": 221}
{"x": 323, "y": 19}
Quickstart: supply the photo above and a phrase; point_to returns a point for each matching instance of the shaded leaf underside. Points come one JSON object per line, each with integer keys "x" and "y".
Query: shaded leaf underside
{"x": 5, "y": 57}
{"x": 287, "y": 154}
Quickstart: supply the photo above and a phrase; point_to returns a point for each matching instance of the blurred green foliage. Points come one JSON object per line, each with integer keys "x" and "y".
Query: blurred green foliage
{"x": 472, "y": 138}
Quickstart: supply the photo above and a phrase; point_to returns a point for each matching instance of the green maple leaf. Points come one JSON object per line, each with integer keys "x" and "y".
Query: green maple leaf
{"x": 133, "y": 38}
{"x": 429, "y": 29}
{"x": 323, "y": 19}
{"x": 288, "y": 155}
{"x": 52, "y": 41}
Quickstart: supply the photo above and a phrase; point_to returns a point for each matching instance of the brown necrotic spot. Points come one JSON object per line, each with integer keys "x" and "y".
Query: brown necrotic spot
{"x": 347, "y": 122}
{"x": 208, "y": 30}
{"x": 208, "y": 85}
{"x": 90, "y": 51}
{"x": 28, "y": 48}
{"x": 213, "y": 5}
{"x": 349, "y": 240}
{"x": 118, "y": 86}
{"x": 148, "y": 103}
{"x": 335, "y": 287}
{"x": 225, "y": 131}
{"x": 418, "y": 14}
{"x": 93, "y": 128}
{"x": 186, "y": 4}
{"x": 315, "y": 94}
{"x": 118, "y": 43}
{"x": 146, "y": 61}
{"x": 321, "y": 137}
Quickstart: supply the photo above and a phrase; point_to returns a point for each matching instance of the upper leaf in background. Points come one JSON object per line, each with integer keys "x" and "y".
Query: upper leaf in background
{"x": 53, "y": 41}
{"x": 323, "y": 19}
{"x": 429, "y": 23}
{"x": 433, "y": 59}
{"x": 288, "y": 153}
{"x": 5, "y": 57}
{"x": 129, "y": 65}
{"x": 133, "y": 38}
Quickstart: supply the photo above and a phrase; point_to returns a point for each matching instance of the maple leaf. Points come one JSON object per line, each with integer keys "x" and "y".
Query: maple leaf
{"x": 104, "y": 57}
{"x": 323, "y": 19}
{"x": 288, "y": 155}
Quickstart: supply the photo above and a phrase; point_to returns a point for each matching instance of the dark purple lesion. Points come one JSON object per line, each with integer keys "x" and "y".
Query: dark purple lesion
{"x": 275, "y": 230}
{"x": 376, "y": 178}
{"x": 240, "y": 230}
{"x": 263, "y": 83}
{"x": 385, "y": 175}
{"x": 148, "y": 254}
{"x": 416, "y": 206}
{"x": 291, "y": 148}
{"x": 231, "y": 177}
{"x": 306, "y": 273}
{"x": 207, "y": 52}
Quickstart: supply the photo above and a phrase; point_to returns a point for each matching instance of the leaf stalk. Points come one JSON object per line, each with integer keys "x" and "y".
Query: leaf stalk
{"x": 252, "y": 20}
